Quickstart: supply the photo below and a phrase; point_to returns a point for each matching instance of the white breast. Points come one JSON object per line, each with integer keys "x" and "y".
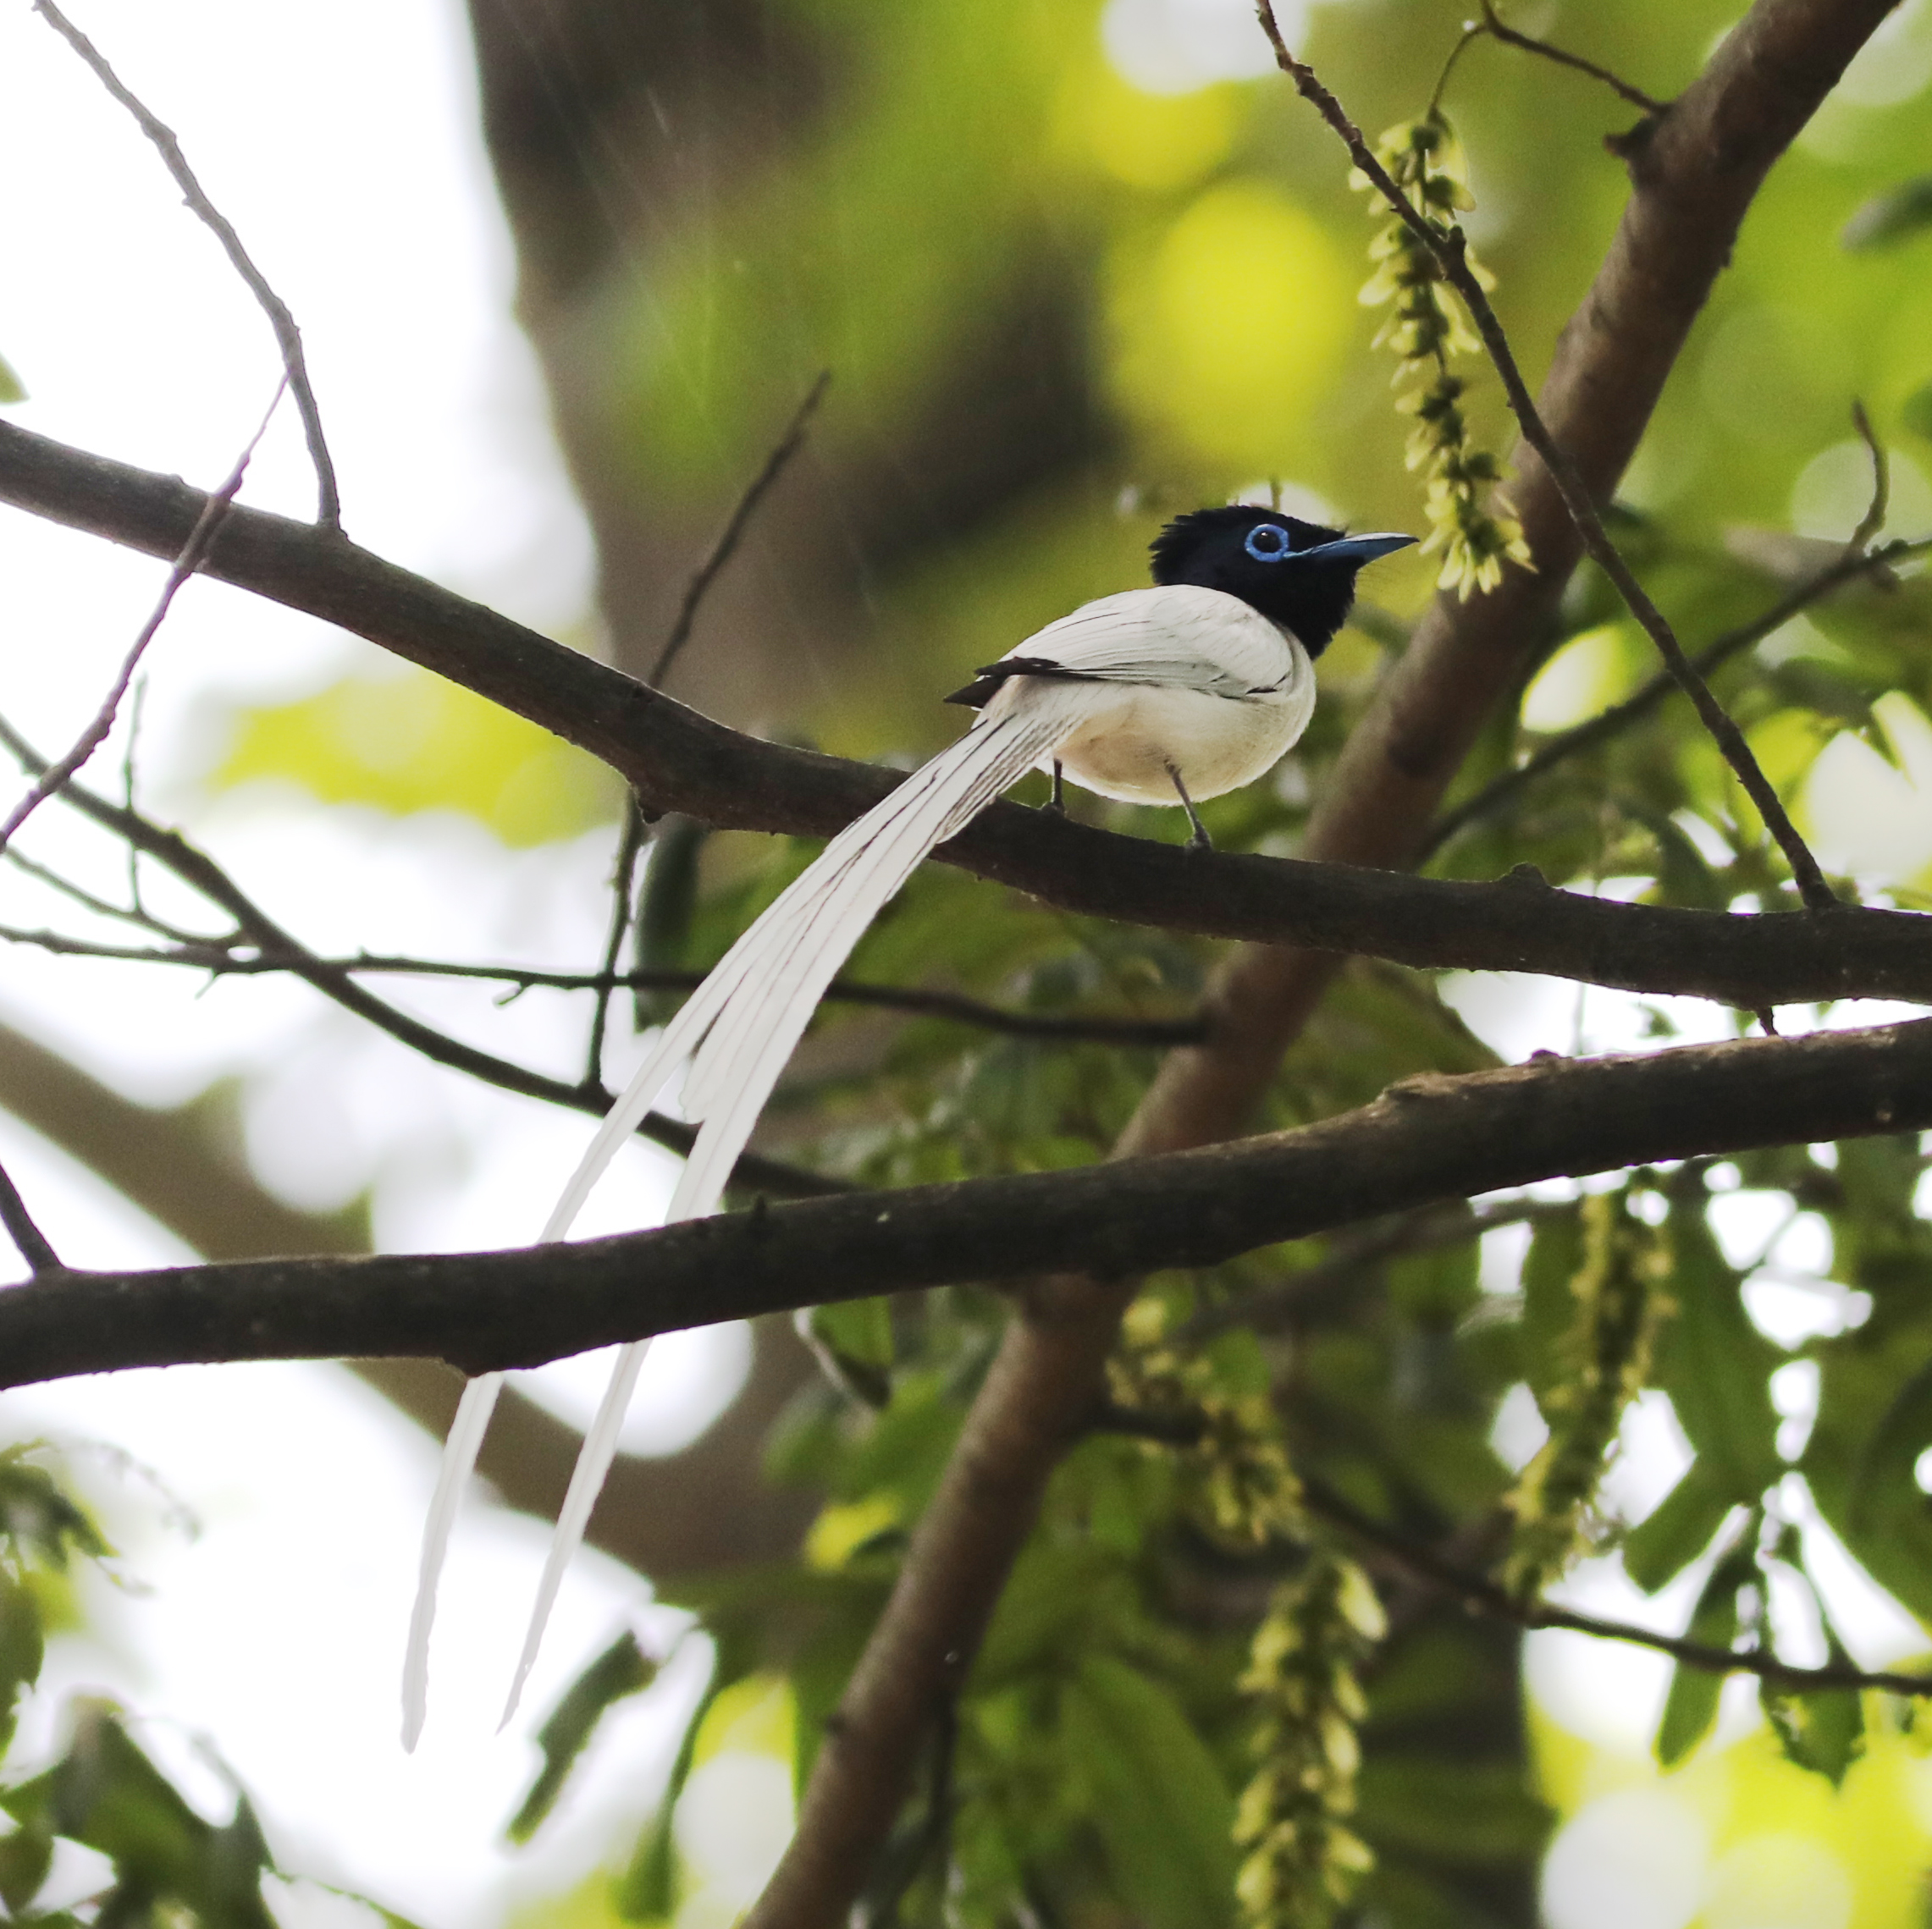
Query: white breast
{"x": 1181, "y": 676}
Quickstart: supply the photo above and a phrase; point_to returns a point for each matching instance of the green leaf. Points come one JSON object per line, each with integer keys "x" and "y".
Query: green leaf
{"x": 39, "y": 1517}
{"x": 25, "y": 1857}
{"x": 12, "y": 388}
{"x": 1160, "y": 1804}
{"x": 1678, "y": 1529}
{"x": 1456, "y": 1811}
{"x": 1060, "y": 1593}
{"x": 622, "y": 1669}
{"x": 1825, "y": 1731}
{"x": 1915, "y": 411}
{"x": 1714, "y": 1364}
{"x": 1555, "y": 1258}
{"x": 107, "y": 1794}
{"x": 1691, "y": 1707}
{"x": 1890, "y": 216}
{"x": 22, "y": 1647}
{"x": 1874, "y": 1419}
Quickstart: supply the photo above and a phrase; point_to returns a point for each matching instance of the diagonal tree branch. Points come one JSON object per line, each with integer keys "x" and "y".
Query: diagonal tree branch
{"x": 1425, "y": 1139}
{"x": 288, "y": 336}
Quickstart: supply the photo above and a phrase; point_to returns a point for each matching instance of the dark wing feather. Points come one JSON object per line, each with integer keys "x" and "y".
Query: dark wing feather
{"x": 989, "y": 678}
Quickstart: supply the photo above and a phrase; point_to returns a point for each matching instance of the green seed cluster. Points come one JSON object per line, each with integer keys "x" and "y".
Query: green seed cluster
{"x": 1620, "y": 1306}
{"x": 1471, "y": 522}
{"x": 1303, "y": 1859}
{"x": 1237, "y": 1486}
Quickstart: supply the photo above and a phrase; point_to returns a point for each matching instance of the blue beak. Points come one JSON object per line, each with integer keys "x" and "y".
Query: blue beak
{"x": 1360, "y": 549}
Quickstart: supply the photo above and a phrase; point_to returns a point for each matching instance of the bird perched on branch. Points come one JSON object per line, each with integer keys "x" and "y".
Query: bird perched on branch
{"x": 1166, "y": 695}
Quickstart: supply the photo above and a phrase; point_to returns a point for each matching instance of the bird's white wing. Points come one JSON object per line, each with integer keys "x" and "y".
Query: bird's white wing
{"x": 1177, "y": 635}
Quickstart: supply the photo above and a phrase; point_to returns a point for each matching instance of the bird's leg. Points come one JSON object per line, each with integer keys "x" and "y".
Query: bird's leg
{"x": 1057, "y": 803}
{"x": 1201, "y": 840}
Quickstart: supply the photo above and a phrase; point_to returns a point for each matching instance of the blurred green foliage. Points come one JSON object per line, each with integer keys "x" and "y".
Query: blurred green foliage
{"x": 166, "y": 1864}
{"x": 408, "y": 741}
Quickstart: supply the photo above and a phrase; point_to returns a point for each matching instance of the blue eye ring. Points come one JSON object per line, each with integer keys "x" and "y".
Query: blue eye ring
{"x": 1267, "y": 543}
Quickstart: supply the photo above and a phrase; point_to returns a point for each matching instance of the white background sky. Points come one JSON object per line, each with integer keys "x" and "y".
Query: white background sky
{"x": 342, "y": 142}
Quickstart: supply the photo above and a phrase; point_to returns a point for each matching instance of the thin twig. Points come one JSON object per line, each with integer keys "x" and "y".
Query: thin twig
{"x": 195, "y": 868}
{"x": 1612, "y": 722}
{"x": 1874, "y": 519}
{"x": 40, "y": 1256}
{"x": 787, "y": 447}
{"x": 1493, "y": 25}
{"x": 209, "y": 521}
{"x": 707, "y": 573}
{"x": 1449, "y": 251}
{"x": 142, "y": 918}
{"x": 219, "y": 957}
{"x": 135, "y": 711}
{"x": 1486, "y": 1597}
{"x": 288, "y": 336}
{"x": 629, "y": 847}
{"x": 1473, "y": 30}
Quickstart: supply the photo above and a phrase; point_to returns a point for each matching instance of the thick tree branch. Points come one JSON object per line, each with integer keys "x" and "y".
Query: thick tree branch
{"x": 697, "y": 1511}
{"x": 1426, "y": 1139}
{"x": 679, "y": 761}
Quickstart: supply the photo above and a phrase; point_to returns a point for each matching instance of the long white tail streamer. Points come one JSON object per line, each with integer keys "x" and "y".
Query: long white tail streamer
{"x": 739, "y": 1029}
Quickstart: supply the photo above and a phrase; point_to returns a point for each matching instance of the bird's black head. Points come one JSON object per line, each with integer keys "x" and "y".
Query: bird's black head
{"x": 1297, "y": 574}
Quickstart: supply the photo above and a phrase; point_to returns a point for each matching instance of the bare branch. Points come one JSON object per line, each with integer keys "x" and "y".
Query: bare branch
{"x": 623, "y": 874}
{"x": 1451, "y": 254}
{"x": 1493, "y": 25}
{"x": 95, "y": 734}
{"x": 139, "y": 916}
{"x": 218, "y": 959}
{"x": 31, "y": 1242}
{"x": 1478, "y": 1591}
{"x": 733, "y": 534}
{"x": 1873, "y": 519}
{"x": 288, "y": 336}
{"x": 1424, "y": 1140}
